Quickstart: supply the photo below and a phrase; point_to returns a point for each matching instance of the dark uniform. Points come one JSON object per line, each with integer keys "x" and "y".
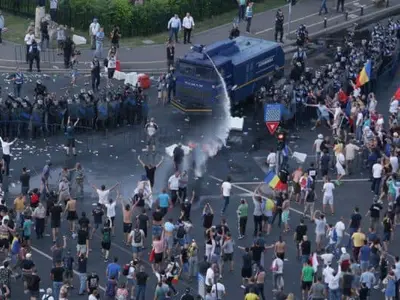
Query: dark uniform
{"x": 279, "y": 19}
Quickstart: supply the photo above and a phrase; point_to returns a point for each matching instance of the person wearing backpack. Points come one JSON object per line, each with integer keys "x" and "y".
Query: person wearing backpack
{"x": 48, "y": 295}
{"x": 106, "y": 240}
{"x": 136, "y": 238}
{"x": 111, "y": 289}
{"x": 171, "y": 271}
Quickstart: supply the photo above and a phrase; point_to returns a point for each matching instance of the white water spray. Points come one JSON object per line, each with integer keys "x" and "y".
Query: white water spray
{"x": 219, "y": 131}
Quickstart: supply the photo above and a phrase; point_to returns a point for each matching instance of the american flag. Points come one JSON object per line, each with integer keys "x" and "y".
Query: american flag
{"x": 272, "y": 113}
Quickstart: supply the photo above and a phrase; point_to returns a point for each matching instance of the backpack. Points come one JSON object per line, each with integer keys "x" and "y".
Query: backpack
{"x": 125, "y": 271}
{"x": 181, "y": 232}
{"x": 110, "y": 289}
{"x": 137, "y": 236}
{"x": 106, "y": 236}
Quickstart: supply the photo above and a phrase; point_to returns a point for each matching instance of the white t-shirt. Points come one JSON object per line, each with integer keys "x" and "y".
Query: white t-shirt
{"x": 328, "y": 188}
{"x": 132, "y": 235}
{"x": 277, "y": 264}
{"x": 394, "y": 105}
{"x": 320, "y": 226}
{"x": 103, "y": 196}
{"x": 220, "y": 288}
{"x": 112, "y": 63}
{"x": 327, "y": 273}
{"x": 377, "y": 170}
{"x": 110, "y": 209}
{"x": 91, "y": 297}
{"x": 327, "y": 258}
{"x": 340, "y": 158}
{"x": 48, "y": 297}
{"x": 53, "y": 5}
{"x": 173, "y": 183}
{"x": 271, "y": 159}
{"x": 210, "y": 276}
{"x": 394, "y": 162}
{"x": 360, "y": 118}
{"x": 226, "y": 189}
{"x": 317, "y": 144}
{"x": 131, "y": 272}
{"x": 340, "y": 228}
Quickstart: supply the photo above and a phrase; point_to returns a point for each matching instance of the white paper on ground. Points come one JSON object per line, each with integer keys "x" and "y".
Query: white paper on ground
{"x": 119, "y": 75}
{"x": 170, "y": 150}
{"x": 131, "y": 78}
{"x": 300, "y": 157}
{"x": 78, "y": 40}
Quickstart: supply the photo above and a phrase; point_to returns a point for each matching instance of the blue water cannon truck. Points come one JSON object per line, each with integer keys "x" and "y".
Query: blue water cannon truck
{"x": 245, "y": 63}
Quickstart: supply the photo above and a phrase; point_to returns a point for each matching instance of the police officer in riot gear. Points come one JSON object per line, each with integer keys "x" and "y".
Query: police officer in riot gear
{"x": 279, "y": 20}
{"x": 130, "y": 106}
{"x": 299, "y": 57}
{"x": 55, "y": 115}
{"x": 15, "y": 113}
{"x": 5, "y": 114}
{"x": 25, "y": 117}
{"x": 95, "y": 72}
{"x": 34, "y": 55}
{"x": 301, "y": 35}
{"x": 40, "y": 89}
{"x": 38, "y": 118}
{"x": 69, "y": 48}
{"x": 102, "y": 113}
{"x": 90, "y": 108}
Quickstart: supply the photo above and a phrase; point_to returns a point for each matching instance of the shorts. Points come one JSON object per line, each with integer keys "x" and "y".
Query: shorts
{"x": 72, "y": 216}
{"x": 70, "y": 143}
{"x": 185, "y": 267}
{"x": 386, "y": 236}
{"x": 327, "y": 200}
{"x": 81, "y": 249}
{"x": 319, "y": 237}
{"x": 111, "y": 72}
{"x": 169, "y": 241}
{"x": 247, "y": 272}
{"x": 34, "y": 294}
{"x": 324, "y": 172}
{"x": 181, "y": 242}
{"x": 347, "y": 292}
{"x": 267, "y": 219}
{"x": 5, "y": 243}
{"x": 137, "y": 249}
{"x": 306, "y": 285}
{"x": 55, "y": 223}
{"x": 127, "y": 227}
{"x": 228, "y": 257}
{"x": 151, "y": 140}
{"x": 97, "y": 225}
{"x": 296, "y": 188}
{"x": 112, "y": 221}
{"x": 27, "y": 237}
{"x": 158, "y": 257}
{"x": 68, "y": 274}
{"x": 106, "y": 245}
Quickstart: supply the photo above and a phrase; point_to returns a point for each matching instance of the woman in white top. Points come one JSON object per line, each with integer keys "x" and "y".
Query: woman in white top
{"x": 111, "y": 66}
{"x": 111, "y": 214}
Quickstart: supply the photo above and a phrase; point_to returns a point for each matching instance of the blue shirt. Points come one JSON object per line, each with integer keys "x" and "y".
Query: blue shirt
{"x": 365, "y": 252}
{"x": 100, "y": 36}
{"x": 163, "y": 199}
{"x": 113, "y": 269}
{"x": 19, "y": 78}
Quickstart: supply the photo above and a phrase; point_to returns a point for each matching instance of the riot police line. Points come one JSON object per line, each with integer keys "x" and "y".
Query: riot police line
{"x": 310, "y": 86}
{"x": 47, "y": 113}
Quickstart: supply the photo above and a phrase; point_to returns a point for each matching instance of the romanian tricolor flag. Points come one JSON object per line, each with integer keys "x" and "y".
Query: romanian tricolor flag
{"x": 273, "y": 180}
{"x": 364, "y": 75}
{"x": 397, "y": 94}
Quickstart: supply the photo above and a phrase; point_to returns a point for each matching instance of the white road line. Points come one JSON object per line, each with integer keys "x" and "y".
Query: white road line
{"x": 335, "y": 17}
{"x": 50, "y": 258}
{"x": 291, "y": 208}
{"x": 299, "y": 19}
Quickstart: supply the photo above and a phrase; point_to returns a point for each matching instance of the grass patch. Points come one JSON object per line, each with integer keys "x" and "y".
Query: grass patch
{"x": 17, "y": 26}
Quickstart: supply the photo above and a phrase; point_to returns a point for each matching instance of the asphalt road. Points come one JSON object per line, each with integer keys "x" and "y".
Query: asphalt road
{"x": 111, "y": 158}
{"x": 152, "y": 58}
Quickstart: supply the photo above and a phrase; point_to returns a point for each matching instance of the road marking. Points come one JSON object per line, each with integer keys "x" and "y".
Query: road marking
{"x": 353, "y": 16}
{"x": 299, "y": 19}
{"x": 318, "y": 180}
{"x": 50, "y": 258}
{"x": 335, "y": 17}
{"x": 291, "y": 208}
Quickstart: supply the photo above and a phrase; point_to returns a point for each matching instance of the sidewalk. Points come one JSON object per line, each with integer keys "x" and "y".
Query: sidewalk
{"x": 151, "y": 58}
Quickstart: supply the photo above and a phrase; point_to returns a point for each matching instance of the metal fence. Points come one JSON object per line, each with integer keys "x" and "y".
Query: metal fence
{"x": 47, "y": 56}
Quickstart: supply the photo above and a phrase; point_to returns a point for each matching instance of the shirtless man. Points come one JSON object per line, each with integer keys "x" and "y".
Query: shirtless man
{"x": 72, "y": 216}
{"x": 63, "y": 191}
{"x": 280, "y": 248}
{"x": 127, "y": 212}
